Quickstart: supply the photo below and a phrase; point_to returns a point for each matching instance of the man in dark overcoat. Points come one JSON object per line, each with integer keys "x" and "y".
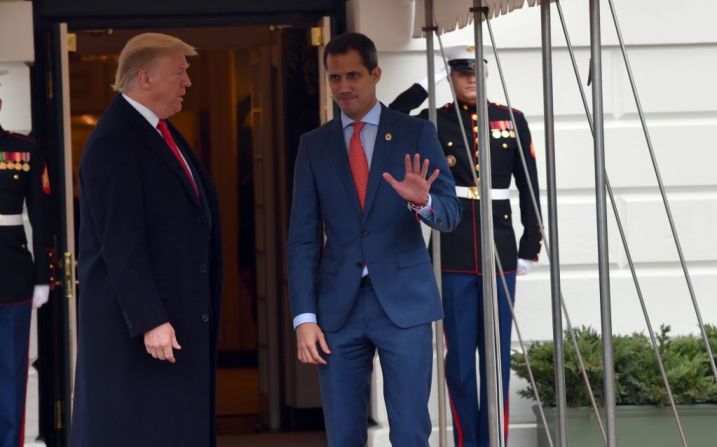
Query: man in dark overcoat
{"x": 149, "y": 265}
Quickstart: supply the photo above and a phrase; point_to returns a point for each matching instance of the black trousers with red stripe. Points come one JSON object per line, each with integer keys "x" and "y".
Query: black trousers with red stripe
{"x": 14, "y": 345}
{"x": 463, "y": 326}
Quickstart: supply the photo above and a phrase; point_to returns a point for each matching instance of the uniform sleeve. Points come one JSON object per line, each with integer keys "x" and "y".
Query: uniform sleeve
{"x": 409, "y": 99}
{"x": 111, "y": 188}
{"x": 38, "y": 210}
{"x": 530, "y": 241}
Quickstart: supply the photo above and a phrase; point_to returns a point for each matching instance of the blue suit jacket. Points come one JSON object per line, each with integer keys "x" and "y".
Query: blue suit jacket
{"x": 324, "y": 278}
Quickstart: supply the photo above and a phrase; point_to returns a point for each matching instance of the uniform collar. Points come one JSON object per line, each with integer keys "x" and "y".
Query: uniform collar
{"x": 466, "y": 107}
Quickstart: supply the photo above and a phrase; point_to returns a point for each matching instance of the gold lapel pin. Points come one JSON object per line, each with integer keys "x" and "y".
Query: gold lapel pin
{"x": 388, "y": 136}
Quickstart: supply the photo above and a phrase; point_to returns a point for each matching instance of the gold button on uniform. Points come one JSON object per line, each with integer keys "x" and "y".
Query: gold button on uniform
{"x": 475, "y": 129}
{"x": 505, "y": 145}
{"x": 449, "y": 144}
{"x": 16, "y": 177}
{"x": 478, "y": 167}
{"x": 506, "y": 217}
{"x": 451, "y": 160}
{"x": 474, "y": 117}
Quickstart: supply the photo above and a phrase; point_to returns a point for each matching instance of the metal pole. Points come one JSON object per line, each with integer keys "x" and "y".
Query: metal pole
{"x": 623, "y": 237}
{"x": 523, "y": 348}
{"x": 546, "y": 240}
{"x": 429, "y": 29}
{"x": 661, "y": 186}
{"x": 549, "y": 116}
{"x": 492, "y": 342}
{"x": 601, "y": 209}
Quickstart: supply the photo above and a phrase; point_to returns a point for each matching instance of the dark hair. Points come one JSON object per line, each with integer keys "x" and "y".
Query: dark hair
{"x": 345, "y": 42}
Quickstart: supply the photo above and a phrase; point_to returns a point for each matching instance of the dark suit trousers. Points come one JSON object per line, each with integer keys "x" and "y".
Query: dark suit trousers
{"x": 406, "y": 357}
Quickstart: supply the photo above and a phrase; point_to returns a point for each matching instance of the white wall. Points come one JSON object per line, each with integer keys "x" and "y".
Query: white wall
{"x": 674, "y": 59}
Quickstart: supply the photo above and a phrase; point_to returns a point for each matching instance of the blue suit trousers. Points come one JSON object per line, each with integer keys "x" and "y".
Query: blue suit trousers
{"x": 406, "y": 356}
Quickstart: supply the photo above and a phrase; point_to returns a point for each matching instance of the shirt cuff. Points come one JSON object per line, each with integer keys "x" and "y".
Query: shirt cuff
{"x": 304, "y": 318}
{"x": 427, "y": 211}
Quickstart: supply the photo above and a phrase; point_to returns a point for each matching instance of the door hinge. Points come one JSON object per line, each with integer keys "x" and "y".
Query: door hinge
{"x": 317, "y": 36}
{"x": 59, "y": 422}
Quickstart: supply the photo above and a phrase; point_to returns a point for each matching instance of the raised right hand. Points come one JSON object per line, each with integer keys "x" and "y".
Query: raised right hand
{"x": 159, "y": 342}
{"x": 308, "y": 336}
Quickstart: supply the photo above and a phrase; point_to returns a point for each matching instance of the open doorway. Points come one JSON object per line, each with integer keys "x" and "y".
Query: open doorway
{"x": 255, "y": 90}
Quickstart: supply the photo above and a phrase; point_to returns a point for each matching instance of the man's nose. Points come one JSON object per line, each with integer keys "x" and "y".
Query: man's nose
{"x": 187, "y": 81}
{"x": 344, "y": 85}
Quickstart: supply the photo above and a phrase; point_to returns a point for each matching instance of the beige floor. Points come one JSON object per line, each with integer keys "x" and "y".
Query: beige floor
{"x": 303, "y": 439}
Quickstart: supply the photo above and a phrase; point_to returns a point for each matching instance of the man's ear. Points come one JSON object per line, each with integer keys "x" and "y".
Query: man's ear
{"x": 376, "y": 74}
{"x": 143, "y": 79}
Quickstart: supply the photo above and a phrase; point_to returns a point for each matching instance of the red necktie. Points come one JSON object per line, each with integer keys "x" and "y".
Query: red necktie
{"x": 358, "y": 163}
{"x": 167, "y": 135}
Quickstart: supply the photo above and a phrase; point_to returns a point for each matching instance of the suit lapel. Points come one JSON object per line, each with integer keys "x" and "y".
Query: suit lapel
{"x": 381, "y": 153}
{"x": 157, "y": 144}
{"x": 340, "y": 158}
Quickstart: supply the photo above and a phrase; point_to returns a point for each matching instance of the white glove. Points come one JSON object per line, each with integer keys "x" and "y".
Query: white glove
{"x": 440, "y": 75}
{"x": 524, "y": 266}
{"x": 40, "y": 295}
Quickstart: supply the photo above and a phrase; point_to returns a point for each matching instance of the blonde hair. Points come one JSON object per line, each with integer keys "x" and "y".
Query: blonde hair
{"x": 142, "y": 49}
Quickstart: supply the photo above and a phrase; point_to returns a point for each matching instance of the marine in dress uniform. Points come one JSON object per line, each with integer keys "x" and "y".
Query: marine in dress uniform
{"x": 461, "y": 249}
{"x": 22, "y": 275}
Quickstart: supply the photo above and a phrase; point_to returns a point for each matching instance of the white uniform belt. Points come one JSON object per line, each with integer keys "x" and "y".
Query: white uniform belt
{"x": 10, "y": 220}
{"x": 473, "y": 193}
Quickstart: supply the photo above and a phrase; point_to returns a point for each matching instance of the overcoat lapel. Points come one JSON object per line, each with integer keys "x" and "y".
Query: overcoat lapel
{"x": 157, "y": 144}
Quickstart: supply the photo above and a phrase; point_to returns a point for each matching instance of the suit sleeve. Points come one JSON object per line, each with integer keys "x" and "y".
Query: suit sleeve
{"x": 447, "y": 209}
{"x": 38, "y": 210}
{"x": 531, "y": 239}
{"x": 409, "y": 99}
{"x": 112, "y": 187}
{"x": 304, "y": 240}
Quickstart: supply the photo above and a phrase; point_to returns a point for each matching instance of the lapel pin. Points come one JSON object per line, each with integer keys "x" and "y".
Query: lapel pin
{"x": 388, "y": 136}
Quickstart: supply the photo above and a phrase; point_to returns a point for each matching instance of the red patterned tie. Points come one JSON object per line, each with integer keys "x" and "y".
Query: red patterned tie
{"x": 358, "y": 163}
{"x": 167, "y": 135}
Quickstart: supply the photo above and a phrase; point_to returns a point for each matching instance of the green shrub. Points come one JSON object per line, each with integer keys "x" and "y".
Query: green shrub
{"x": 637, "y": 377}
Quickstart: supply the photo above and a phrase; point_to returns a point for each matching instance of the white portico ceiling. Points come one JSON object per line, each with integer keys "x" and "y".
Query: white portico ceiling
{"x": 453, "y": 14}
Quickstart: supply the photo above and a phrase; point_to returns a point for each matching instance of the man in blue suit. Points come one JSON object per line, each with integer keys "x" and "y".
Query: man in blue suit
{"x": 369, "y": 284}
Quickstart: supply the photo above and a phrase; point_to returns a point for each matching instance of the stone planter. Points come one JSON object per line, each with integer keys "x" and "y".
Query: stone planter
{"x": 637, "y": 426}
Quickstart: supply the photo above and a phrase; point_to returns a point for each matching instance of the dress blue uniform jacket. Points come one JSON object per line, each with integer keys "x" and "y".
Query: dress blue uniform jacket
{"x": 150, "y": 252}
{"x": 324, "y": 276}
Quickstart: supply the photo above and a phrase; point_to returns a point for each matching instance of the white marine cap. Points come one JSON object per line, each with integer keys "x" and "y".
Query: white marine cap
{"x": 461, "y": 58}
